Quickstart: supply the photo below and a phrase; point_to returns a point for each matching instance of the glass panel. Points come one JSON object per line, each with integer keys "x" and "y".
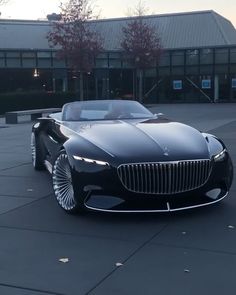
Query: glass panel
{"x": 178, "y": 58}
{"x": 192, "y": 57}
{"x": 164, "y": 59}
{"x": 221, "y": 69}
{"x": 45, "y": 54}
{"x": 114, "y": 55}
{"x": 13, "y": 54}
{"x": 127, "y": 63}
{"x": 13, "y": 63}
{"x": 233, "y": 55}
{"x": 192, "y": 70}
{"x": 2, "y": 54}
{"x": 150, "y": 73}
{"x": 206, "y": 70}
{"x": 102, "y": 55}
{"x": 44, "y": 63}
{"x": 29, "y": 63}
{"x": 233, "y": 69}
{"x": 59, "y": 63}
{"x": 178, "y": 70}
{"x": 164, "y": 71}
{"x": 114, "y": 63}
{"x": 221, "y": 56}
{"x": 2, "y": 62}
{"x": 101, "y": 63}
{"x": 29, "y": 54}
{"x": 206, "y": 56}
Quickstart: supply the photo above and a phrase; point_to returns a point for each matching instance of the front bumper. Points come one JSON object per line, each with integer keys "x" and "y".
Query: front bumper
{"x": 104, "y": 191}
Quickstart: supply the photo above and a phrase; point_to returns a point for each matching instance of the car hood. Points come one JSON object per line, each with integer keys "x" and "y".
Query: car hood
{"x": 144, "y": 140}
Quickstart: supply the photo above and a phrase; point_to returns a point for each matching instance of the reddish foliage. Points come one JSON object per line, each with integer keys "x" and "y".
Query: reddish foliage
{"x": 141, "y": 43}
{"x": 76, "y": 40}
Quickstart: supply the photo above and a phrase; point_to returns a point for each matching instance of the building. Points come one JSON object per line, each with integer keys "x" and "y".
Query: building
{"x": 198, "y": 61}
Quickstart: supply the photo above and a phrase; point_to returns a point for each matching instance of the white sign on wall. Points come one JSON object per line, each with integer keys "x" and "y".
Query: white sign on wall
{"x": 234, "y": 83}
{"x": 177, "y": 84}
{"x": 206, "y": 84}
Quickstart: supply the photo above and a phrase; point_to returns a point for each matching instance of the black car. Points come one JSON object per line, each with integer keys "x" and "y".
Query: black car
{"x": 115, "y": 155}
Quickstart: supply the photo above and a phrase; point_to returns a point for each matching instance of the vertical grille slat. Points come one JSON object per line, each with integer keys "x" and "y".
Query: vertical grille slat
{"x": 164, "y": 177}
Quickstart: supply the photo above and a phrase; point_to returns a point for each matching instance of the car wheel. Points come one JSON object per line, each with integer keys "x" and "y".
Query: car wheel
{"x": 37, "y": 153}
{"x": 63, "y": 185}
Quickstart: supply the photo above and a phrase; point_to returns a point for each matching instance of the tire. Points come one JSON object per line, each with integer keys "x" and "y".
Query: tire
{"x": 63, "y": 185}
{"x": 37, "y": 153}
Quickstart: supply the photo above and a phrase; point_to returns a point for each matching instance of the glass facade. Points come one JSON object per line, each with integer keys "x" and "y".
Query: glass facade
{"x": 203, "y": 74}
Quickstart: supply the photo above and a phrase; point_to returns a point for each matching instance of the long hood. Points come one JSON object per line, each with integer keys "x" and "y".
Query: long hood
{"x": 150, "y": 140}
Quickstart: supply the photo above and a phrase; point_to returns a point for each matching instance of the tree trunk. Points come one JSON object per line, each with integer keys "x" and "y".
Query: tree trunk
{"x": 81, "y": 85}
{"x": 140, "y": 86}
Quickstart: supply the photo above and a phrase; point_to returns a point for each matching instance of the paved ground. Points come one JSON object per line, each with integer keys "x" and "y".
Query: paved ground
{"x": 192, "y": 252}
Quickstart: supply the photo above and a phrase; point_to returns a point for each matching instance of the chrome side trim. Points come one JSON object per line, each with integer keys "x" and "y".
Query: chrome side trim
{"x": 48, "y": 166}
{"x": 155, "y": 211}
{"x": 52, "y": 139}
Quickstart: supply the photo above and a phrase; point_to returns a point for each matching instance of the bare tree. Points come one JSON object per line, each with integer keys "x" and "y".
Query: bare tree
{"x": 77, "y": 41}
{"x": 141, "y": 43}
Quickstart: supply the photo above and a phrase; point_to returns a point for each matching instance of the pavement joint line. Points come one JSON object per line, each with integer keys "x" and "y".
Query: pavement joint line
{"x": 31, "y": 289}
{"x": 17, "y": 176}
{"x": 22, "y": 206}
{"x": 75, "y": 235}
{"x": 8, "y": 168}
{"x": 194, "y": 249}
{"x": 17, "y": 196}
{"x": 129, "y": 257}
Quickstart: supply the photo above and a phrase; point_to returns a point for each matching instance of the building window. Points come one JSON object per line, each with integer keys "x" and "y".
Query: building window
{"x": 29, "y": 59}
{"x": 206, "y": 56}
{"x": 178, "y": 58}
{"x": 233, "y": 55}
{"x": 192, "y": 57}
{"x": 114, "y": 63}
{"x": 164, "y": 59}
{"x": 44, "y": 59}
{"x": 13, "y": 59}
{"x": 101, "y": 63}
{"x": 221, "y": 56}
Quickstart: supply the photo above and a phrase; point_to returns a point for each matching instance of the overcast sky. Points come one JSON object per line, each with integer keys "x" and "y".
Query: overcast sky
{"x": 38, "y": 9}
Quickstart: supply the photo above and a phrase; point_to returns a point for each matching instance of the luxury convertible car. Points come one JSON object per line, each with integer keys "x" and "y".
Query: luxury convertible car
{"x": 115, "y": 155}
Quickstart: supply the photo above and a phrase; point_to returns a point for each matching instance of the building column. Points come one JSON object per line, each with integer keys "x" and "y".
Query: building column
{"x": 54, "y": 84}
{"x": 65, "y": 84}
{"x": 216, "y": 88}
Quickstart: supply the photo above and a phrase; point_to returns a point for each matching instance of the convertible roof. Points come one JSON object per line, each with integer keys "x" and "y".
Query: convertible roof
{"x": 177, "y": 31}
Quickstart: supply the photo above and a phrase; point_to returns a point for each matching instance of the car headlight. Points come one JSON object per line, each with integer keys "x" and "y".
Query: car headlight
{"x": 92, "y": 161}
{"x": 221, "y": 156}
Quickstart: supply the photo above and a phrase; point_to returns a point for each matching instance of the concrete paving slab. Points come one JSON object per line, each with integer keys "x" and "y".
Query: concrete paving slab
{"x": 25, "y": 170}
{"x": 46, "y": 216}
{"x": 8, "y": 203}
{"x": 19, "y": 186}
{"x": 31, "y": 260}
{"x": 169, "y": 270}
{"x": 5, "y": 290}
{"x": 212, "y": 229}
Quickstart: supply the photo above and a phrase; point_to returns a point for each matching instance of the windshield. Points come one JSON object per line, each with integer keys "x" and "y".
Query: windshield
{"x": 104, "y": 110}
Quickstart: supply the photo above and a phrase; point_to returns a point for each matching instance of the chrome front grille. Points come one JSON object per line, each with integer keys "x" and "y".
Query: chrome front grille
{"x": 164, "y": 177}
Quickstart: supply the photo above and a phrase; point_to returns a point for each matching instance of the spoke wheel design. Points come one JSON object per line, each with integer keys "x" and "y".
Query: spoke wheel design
{"x": 37, "y": 153}
{"x": 62, "y": 183}
{"x": 33, "y": 149}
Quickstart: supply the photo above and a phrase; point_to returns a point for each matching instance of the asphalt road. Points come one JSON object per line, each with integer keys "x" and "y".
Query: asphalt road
{"x": 190, "y": 252}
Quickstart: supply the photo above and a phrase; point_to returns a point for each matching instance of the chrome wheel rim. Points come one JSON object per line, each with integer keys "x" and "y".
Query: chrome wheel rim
{"x": 62, "y": 183}
{"x": 33, "y": 148}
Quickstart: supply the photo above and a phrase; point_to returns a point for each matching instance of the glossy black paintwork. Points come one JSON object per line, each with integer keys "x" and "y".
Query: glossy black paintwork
{"x": 131, "y": 141}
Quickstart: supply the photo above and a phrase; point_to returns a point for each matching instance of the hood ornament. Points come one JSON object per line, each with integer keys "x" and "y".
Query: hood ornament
{"x": 166, "y": 152}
